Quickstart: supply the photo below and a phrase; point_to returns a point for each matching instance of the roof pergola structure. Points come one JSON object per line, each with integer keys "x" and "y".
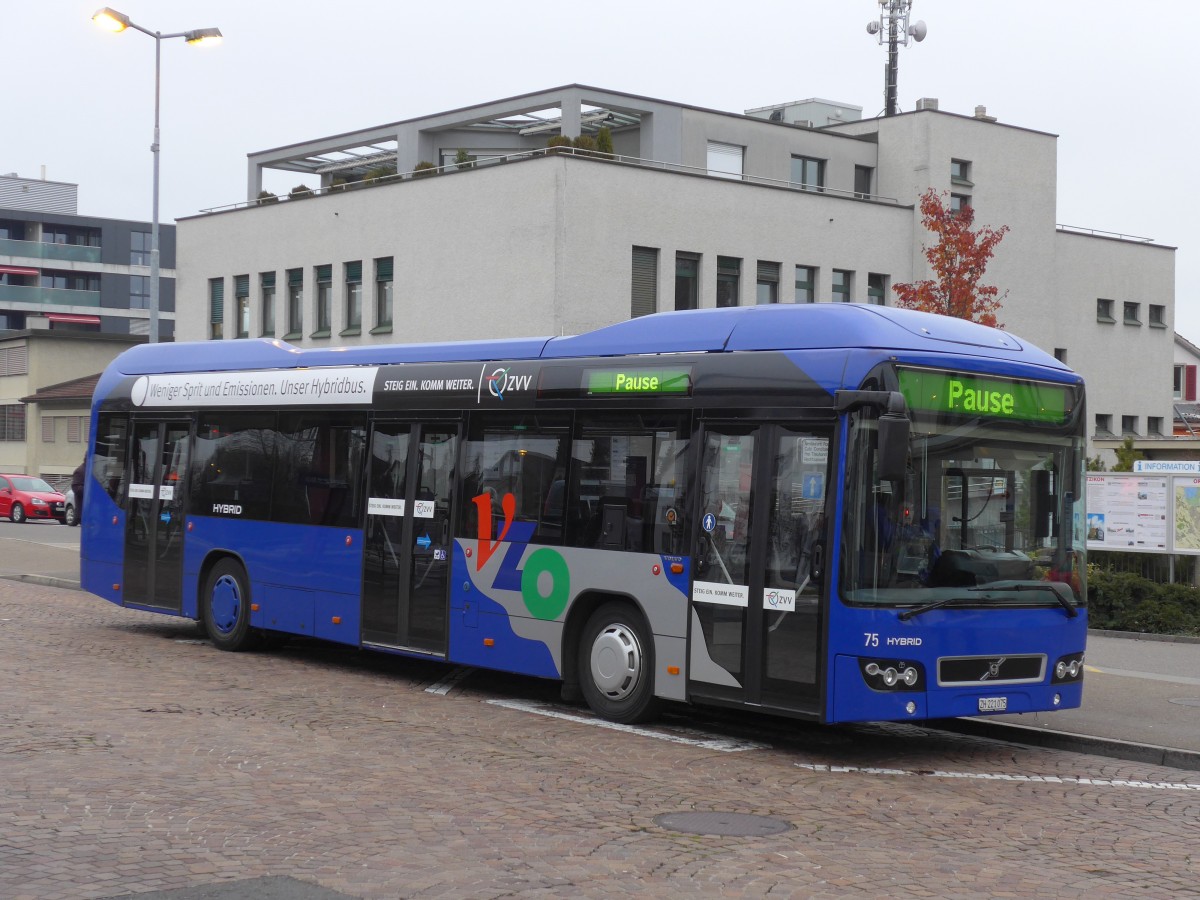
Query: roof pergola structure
{"x": 510, "y": 126}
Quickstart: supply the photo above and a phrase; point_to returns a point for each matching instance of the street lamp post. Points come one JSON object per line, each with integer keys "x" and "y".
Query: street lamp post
{"x": 114, "y": 21}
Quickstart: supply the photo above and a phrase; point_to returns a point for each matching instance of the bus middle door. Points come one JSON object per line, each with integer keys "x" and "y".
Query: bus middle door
{"x": 406, "y": 567}
{"x": 755, "y": 635}
{"x": 157, "y": 473}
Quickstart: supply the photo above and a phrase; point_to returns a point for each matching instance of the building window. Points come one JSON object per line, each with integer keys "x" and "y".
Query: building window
{"x": 353, "y": 297}
{"x": 808, "y": 174}
{"x": 1154, "y": 425}
{"x": 324, "y": 281}
{"x": 841, "y": 286}
{"x": 1158, "y": 316}
{"x": 139, "y": 291}
{"x": 12, "y": 422}
{"x": 295, "y": 312}
{"x": 1129, "y": 424}
{"x": 268, "y": 304}
{"x": 724, "y": 160}
{"x": 216, "y": 308}
{"x": 729, "y": 275}
{"x": 76, "y": 235}
{"x": 14, "y": 360}
{"x": 876, "y": 289}
{"x": 959, "y": 202}
{"x": 960, "y": 172}
{"x": 643, "y": 292}
{"x": 383, "y": 294}
{"x": 139, "y": 248}
{"x": 687, "y": 280}
{"x": 768, "y": 283}
{"x": 70, "y": 281}
{"x": 1185, "y": 383}
{"x": 806, "y": 284}
{"x": 75, "y": 429}
{"x": 1103, "y": 423}
{"x": 1133, "y": 313}
{"x": 862, "y": 181}
{"x": 48, "y": 429}
{"x": 1104, "y": 310}
{"x": 1060, "y": 353}
{"x": 241, "y": 295}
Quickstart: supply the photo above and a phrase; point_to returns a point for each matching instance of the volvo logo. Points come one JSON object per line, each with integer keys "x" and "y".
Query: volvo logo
{"x": 993, "y": 670}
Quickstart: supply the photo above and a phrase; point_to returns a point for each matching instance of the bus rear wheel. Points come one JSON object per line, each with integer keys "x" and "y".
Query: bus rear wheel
{"x": 616, "y": 665}
{"x": 226, "y": 607}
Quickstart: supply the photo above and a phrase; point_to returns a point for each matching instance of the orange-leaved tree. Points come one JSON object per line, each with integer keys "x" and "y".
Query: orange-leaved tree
{"x": 958, "y": 259}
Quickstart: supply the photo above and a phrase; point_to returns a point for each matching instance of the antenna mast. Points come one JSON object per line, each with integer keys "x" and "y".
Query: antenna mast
{"x": 894, "y": 30}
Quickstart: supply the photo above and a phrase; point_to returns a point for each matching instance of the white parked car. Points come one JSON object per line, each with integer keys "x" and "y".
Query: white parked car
{"x": 71, "y": 514}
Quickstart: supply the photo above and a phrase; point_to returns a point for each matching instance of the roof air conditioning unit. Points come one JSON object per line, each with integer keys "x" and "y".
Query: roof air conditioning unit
{"x": 803, "y": 123}
{"x": 927, "y": 103}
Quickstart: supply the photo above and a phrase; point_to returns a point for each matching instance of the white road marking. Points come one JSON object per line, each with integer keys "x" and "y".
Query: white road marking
{"x": 1149, "y": 676}
{"x": 722, "y": 745}
{"x": 1025, "y": 779}
{"x": 447, "y": 684}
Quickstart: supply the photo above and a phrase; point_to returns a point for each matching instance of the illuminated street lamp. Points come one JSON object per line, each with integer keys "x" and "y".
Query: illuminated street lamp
{"x": 111, "y": 20}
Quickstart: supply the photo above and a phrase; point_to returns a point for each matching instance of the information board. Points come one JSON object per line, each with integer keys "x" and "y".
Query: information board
{"x": 1130, "y": 512}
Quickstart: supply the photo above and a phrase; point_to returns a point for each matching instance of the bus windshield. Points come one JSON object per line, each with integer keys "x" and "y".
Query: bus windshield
{"x": 983, "y": 516}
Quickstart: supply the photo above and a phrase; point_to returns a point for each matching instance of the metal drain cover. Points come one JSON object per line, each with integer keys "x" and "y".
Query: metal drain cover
{"x": 722, "y": 823}
{"x": 1187, "y": 701}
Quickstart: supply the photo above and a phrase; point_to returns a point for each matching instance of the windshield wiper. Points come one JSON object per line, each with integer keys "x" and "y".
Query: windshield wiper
{"x": 936, "y": 604}
{"x": 1063, "y": 594}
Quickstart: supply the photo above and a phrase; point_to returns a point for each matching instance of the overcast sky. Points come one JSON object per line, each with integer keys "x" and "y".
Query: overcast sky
{"x": 1110, "y": 78}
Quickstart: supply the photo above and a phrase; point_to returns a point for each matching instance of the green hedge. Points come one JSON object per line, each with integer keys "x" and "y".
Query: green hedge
{"x": 1124, "y": 601}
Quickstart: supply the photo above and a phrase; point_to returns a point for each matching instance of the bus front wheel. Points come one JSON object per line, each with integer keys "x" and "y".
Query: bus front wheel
{"x": 226, "y": 601}
{"x": 616, "y": 665}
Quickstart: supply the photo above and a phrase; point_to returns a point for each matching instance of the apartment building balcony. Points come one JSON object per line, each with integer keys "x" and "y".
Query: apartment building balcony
{"x": 44, "y": 250}
{"x": 43, "y": 296}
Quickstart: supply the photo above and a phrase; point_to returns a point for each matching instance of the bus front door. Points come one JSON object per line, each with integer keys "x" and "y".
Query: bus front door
{"x": 156, "y": 479}
{"x": 755, "y": 635}
{"x": 406, "y": 569}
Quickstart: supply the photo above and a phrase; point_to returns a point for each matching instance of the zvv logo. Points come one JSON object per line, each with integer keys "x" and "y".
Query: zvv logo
{"x": 501, "y": 381}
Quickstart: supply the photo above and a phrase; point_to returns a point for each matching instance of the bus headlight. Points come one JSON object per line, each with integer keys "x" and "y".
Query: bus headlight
{"x": 892, "y": 674}
{"x": 1067, "y": 669}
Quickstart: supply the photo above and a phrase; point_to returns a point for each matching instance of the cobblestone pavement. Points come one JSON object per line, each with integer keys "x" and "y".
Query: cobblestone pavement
{"x": 137, "y": 758}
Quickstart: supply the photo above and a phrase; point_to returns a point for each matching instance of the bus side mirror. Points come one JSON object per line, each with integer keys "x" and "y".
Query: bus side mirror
{"x": 893, "y": 446}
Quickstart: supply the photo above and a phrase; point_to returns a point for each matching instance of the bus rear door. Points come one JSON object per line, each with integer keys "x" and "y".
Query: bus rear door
{"x": 156, "y": 480}
{"x": 406, "y": 566}
{"x": 755, "y": 635}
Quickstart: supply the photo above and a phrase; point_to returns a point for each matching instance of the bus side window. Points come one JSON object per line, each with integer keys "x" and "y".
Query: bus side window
{"x": 108, "y": 461}
{"x": 627, "y": 484}
{"x": 523, "y": 455}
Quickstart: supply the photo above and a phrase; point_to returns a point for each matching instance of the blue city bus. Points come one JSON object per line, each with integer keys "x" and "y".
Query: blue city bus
{"x": 835, "y": 512}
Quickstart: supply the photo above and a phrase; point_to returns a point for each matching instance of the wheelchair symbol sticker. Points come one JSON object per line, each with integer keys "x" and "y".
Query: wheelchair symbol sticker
{"x": 709, "y": 522}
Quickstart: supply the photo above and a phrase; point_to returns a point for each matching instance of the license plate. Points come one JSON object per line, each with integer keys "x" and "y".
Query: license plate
{"x": 993, "y": 704}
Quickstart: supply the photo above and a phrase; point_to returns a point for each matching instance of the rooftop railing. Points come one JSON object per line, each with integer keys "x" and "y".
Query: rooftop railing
{"x": 614, "y": 158}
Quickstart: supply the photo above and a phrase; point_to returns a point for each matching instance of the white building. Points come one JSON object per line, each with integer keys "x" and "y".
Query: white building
{"x": 697, "y": 208}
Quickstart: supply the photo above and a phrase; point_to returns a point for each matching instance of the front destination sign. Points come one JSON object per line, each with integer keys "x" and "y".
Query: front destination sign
{"x": 997, "y": 398}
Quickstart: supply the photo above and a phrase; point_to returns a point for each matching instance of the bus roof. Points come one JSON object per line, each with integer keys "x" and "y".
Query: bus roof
{"x": 750, "y": 328}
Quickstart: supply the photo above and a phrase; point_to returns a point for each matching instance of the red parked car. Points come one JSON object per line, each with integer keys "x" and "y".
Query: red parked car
{"x": 24, "y": 497}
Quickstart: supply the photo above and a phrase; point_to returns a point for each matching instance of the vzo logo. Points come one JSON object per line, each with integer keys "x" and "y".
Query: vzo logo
{"x": 501, "y": 381}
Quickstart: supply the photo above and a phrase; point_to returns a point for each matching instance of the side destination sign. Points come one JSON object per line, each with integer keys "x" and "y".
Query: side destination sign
{"x": 292, "y": 387}
{"x": 637, "y": 381}
{"x": 997, "y": 398}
